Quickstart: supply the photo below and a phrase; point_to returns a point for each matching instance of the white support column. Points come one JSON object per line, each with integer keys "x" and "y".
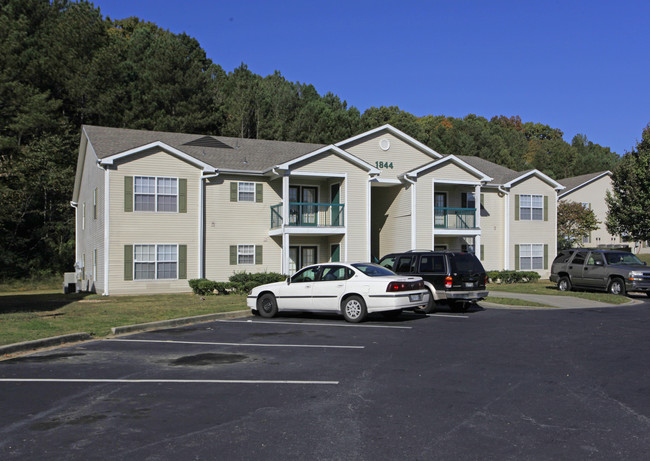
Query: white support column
{"x": 506, "y": 239}
{"x": 368, "y": 224}
{"x": 201, "y": 227}
{"x": 285, "y": 223}
{"x": 477, "y": 246}
{"x": 414, "y": 220}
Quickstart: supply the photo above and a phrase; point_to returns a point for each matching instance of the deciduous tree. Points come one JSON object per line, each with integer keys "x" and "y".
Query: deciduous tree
{"x": 574, "y": 223}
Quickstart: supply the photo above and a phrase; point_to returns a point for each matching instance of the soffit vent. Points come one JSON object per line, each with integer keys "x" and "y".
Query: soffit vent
{"x": 207, "y": 141}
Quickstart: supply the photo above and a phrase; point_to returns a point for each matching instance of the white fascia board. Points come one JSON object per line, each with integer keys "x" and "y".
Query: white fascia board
{"x": 395, "y": 132}
{"x": 451, "y": 158}
{"x": 340, "y": 152}
{"x": 605, "y": 173}
{"x": 161, "y": 145}
{"x": 556, "y": 185}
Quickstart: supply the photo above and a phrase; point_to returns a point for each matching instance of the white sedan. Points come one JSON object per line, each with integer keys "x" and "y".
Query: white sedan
{"x": 354, "y": 290}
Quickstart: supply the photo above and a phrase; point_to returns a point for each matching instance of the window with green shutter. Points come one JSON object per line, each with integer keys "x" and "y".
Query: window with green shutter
{"x": 258, "y": 254}
{"x": 182, "y": 195}
{"x": 259, "y": 191}
{"x": 233, "y": 193}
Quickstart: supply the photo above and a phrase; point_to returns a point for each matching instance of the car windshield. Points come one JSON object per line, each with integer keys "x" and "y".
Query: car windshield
{"x": 622, "y": 259}
{"x": 372, "y": 270}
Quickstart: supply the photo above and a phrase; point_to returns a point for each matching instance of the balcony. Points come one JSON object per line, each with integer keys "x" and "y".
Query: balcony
{"x": 454, "y": 218}
{"x": 309, "y": 215}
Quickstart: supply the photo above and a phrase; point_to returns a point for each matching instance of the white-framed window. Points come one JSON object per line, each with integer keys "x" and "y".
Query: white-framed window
{"x": 155, "y": 262}
{"x": 531, "y": 256}
{"x": 246, "y": 192}
{"x": 531, "y": 207}
{"x": 245, "y": 254}
{"x": 151, "y": 193}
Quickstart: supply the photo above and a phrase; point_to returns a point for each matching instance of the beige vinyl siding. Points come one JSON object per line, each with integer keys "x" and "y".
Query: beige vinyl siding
{"x": 240, "y": 223}
{"x": 90, "y": 237}
{"x": 594, "y": 193}
{"x": 403, "y": 156}
{"x": 396, "y": 229}
{"x": 493, "y": 229}
{"x": 133, "y": 228}
{"x": 453, "y": 172}
{"x": 353, "y": 191}
{"x": 534, "y": 231}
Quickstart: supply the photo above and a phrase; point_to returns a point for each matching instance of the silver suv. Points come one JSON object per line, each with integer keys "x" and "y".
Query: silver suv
{"x": 618, "y": 272}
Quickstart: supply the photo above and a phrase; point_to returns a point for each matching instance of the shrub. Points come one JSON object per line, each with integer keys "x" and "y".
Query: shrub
{"x": 240, "y": 283}
{"x": 512, "y": 277}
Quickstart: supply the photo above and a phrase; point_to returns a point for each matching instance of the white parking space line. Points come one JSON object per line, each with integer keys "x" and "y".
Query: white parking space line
{"x": 163, "y": 381}
{"x": 234, "y": 344}
{"x": 449, "y": 316}
{"x": 315, "y": 324}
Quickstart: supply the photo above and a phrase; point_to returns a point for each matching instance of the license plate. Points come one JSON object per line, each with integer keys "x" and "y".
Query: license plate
{"x": 414, "y": 298}
{"x": 469, "y": 284}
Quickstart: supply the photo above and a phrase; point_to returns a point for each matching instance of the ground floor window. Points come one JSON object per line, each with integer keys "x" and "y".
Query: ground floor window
{"x": 245, "y": 254}
{"x": 531, "y": 256}
{"x": 155, "y": 262}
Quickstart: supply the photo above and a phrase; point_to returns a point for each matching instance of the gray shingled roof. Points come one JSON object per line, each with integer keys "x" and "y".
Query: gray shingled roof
{"x": 242, "y": 154}
{"x": 499, "y": 174}
{"x": 576, "y": 181}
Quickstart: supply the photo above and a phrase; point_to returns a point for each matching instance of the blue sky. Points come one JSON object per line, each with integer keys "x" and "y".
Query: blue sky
{"x": 580, "y": 66}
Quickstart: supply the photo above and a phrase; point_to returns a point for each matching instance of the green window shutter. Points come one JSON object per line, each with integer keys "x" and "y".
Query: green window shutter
{"x": 482, "y": 252}
{"x": 233, "y": 255}
{"x": 545, "y": 256}
{"x": 516, "y": 257}
{"x": 259, "y": 193}
{"x": 182, "y": 261}
{"x": 336, "y": 253}
{"x": 546, "y": 208}
{"x": 182, "y": 195}
{"x": 128, "y": 193}
{"x": 233, "y": 191}
{"x": 258, "y": 254}
{"x": 128, "y": 262}
{"x": 517, "y": 207}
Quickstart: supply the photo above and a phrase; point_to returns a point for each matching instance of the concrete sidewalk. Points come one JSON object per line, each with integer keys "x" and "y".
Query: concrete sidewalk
{"x": 563, "y": 302}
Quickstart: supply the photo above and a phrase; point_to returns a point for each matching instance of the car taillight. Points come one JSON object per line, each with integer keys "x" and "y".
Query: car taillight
{"x": 448, "y": 282}
{"x": 404, "y": 286}
{"x": 485, "y": 279}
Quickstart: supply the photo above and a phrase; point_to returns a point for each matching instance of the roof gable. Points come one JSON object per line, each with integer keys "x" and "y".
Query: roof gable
{"x": 577, "y": 182}
{"x": 480, "y": 176}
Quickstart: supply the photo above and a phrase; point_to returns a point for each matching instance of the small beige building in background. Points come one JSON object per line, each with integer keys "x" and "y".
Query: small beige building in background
{"x": 154, "y": 209}
{"x": 591, "y": 190}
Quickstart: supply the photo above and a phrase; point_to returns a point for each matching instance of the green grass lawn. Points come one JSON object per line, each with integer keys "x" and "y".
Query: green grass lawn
{"x": 37, "y": 314}
{"x": 546, "y": 287}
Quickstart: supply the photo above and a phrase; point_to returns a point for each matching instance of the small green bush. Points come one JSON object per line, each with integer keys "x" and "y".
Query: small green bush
{"x": 507, "y": 277}
{"x": 240, "y": 283}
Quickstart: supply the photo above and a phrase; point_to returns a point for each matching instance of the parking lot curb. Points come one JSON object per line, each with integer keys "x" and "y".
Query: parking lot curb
{"x": 179, "y": 322}
{"x": 43, "y": 343}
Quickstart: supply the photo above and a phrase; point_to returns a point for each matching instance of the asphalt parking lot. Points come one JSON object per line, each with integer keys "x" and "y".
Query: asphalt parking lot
{"x": 489, "y": 384}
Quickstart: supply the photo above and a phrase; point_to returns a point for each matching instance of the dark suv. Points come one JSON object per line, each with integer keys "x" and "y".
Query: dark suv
{"x": 455, "y": 278}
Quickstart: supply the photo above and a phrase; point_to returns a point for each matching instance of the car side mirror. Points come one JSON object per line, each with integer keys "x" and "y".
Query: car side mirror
{"x": 288, "y": 280}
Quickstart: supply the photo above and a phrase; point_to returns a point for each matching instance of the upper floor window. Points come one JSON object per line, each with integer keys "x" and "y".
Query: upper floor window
{"x": 531, "y": 207}
{"x": 246, "y": 192}
{"x": 155, "y": 194}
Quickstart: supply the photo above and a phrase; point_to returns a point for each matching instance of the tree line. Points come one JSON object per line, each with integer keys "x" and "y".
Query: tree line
{"x": 63, "y": 64}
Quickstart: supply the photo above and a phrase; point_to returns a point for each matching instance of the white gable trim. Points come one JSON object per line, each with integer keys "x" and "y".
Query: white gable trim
{"x": 395, "y": 132}
{"x": 605, "y": 173}
{"x": 338, "y": 151}
{"x": 556, "y": 185}
{"x": 450, "y": 158}
{"x": 161, "y": 145}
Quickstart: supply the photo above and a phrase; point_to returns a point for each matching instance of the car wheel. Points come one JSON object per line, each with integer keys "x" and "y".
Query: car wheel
{"x": 564, "y": 284}
{"x": 392, "y": 314}
{"x": 431, "y": 306}
{"x": 458, "y": 306}
{"x": 354, "y": 309}
{"x": 266, "y": 305}
{"x": 617, "y": 287}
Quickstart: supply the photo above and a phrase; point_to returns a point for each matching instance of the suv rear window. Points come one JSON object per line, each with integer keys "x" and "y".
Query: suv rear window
{"x": 465, "y": 262}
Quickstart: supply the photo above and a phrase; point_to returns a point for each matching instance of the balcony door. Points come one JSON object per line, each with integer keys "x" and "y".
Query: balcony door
{"x": 301, "y": 213}
{"x": 439, "y": 207}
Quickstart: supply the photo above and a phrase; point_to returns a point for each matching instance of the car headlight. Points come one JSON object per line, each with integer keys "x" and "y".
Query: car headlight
{"x": 635, "y": 276}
